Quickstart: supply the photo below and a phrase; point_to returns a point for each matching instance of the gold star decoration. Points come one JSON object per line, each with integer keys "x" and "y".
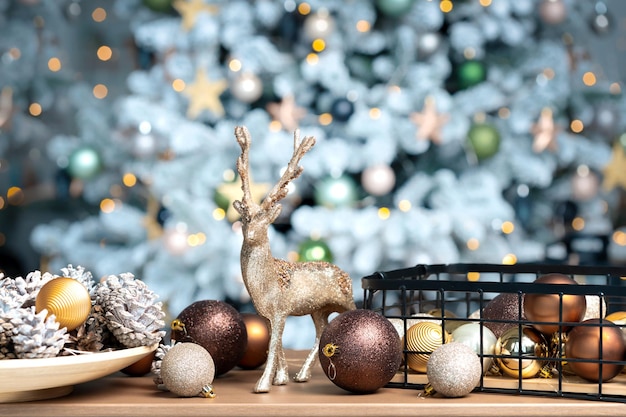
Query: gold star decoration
{"x": 545, "y": 132}
{"x": 232, "y": 191}
{"x": 189, "y": 10}
{"x": 287, "y": 113}
{"x": 429, "y": 121}
{"x": 615, "y": 170}
{"x": 204, "y": 95}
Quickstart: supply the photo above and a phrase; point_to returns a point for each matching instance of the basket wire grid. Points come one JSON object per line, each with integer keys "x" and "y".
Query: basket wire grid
{"x": 457, "y": 293}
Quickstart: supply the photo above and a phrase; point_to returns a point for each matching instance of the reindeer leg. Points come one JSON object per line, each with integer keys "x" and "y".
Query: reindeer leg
{"x": 320, "y": 319}
{"x": 264, "y": 383}
{"x": 281, "y": 377}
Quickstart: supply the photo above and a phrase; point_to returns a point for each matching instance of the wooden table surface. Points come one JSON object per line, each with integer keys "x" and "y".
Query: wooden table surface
{"x": 122, "y": 395}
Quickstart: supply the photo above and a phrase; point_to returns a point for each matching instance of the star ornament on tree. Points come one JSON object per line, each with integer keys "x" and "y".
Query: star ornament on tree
{"x": 189, "y": 11}
{"x": 615, "y": 170}
{"x": 204, "y": 94}
{"x": 287, "y": 113}
{"x": 232, "y": 191}
{"x": 429, "y": 121}
{"x": 544, "y": 132}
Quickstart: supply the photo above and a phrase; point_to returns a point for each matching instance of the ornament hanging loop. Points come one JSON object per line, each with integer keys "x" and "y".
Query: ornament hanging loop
{"x": 207, "y": 391}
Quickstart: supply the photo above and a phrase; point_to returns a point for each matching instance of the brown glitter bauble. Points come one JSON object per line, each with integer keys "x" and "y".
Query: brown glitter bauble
{"x": 141, "y": 367}
{"x": 583, "y": 342}
{"x": 258, "y": 329}
{"x": 547, "y": 307}
{"x": 454, "y": 370}
{"x": 502, "y": 312}
{"x": 360, "y": 351}
{"x": 217, "y": 327}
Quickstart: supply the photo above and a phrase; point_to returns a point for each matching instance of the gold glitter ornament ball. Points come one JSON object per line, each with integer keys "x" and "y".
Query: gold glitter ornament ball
{"x": 217, "y": 327}
{"x": 360, "y": 351}
{"x": 421, "y": 340}
{"x": 453, "y": 370}
{"x": 187, "y": 369}
{"x": 525, "y": 343}
{"x": 258, "y": 330}
{"x": 583, "y": 342}
{"x": 67, "y": 299}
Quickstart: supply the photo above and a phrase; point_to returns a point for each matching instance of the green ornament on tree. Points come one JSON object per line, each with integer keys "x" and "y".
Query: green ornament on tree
{"x": 470, "y": 73}
{"x": 394, "y": 8}
{"x": 84, "y": 163}
{"x": 334, "y": 192}
{"x": 484, "y": 140}
{"x": 162, "y": 6}
{"x": 314, "y": 250}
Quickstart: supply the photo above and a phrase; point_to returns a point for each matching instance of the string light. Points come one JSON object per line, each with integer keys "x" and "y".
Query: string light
{"x": 576, "y": 126}
{"x": 100, "y": 91}
{"x": 374, "y": 113}
{"x": 473, "y": 276}
{"x": 509, "y": 259}
{"x": 507, "y": 227}
{"x": 304, "y": 8}
{"x": 107, "y": 205}
{"x": 384, "y": 213}
{"x": 104, "y": 53}
{"x": 589, "y": 79}
{"x": 619, "y": 238}
{"x": 99, "y": 15}
{"x": 325, "y": 119}
{"x": 35, "y": 109}
{"x": 178, "y": 85}
{"x": 446, "y": 6}
{"x": 363, "y": 26}
{"x": 404, "y": 205}
{"x": 312, "y": 59}
{"x": 472, "y": 243}
{"x": 54, "y": 64}
{"x": 219, "y": 214}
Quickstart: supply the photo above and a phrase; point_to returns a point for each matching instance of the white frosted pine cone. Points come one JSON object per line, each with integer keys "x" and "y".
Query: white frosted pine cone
{"x": 155, "y": 368}
{"x": 35, "y": 336}
{"x": 133, "y": 315}
{"x": 81, "y": 275}
{"x": 22, "y": 292}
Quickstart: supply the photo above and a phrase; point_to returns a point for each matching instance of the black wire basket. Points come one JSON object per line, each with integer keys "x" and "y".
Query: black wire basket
{"x": 457, "y": 294}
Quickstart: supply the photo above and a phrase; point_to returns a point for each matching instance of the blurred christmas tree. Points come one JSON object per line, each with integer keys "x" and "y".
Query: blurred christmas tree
{"x": 447, "y": 131}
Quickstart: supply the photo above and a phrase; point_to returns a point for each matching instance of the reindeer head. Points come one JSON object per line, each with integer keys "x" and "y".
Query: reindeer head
{"x": 256, "y": 218}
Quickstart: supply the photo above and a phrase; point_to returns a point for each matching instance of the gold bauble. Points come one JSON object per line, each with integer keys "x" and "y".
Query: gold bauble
{"x": 523, "y": 343}
{"x": 258, "y": 330}
{"x": 618, "y": 317}
{"x": 550, "y": 308}
{"x": 422, "y": 339}
{"x": 67, "y": 299}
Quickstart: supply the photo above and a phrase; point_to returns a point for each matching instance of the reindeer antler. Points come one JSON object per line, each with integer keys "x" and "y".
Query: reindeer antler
{"x": 293, "y": 170}
{"x": 243, "y": 167}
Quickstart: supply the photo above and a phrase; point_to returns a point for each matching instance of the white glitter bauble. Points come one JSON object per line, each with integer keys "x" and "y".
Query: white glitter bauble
{"x": 187, "y": 369}
{"x": 453, "y": 370}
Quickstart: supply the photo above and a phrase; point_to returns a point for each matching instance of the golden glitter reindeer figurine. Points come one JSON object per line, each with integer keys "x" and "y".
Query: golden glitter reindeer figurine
{"x": 279, "y": 288}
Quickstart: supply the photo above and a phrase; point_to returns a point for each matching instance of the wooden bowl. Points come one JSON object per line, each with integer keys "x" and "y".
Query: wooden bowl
{"x": 39, "y": 379}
